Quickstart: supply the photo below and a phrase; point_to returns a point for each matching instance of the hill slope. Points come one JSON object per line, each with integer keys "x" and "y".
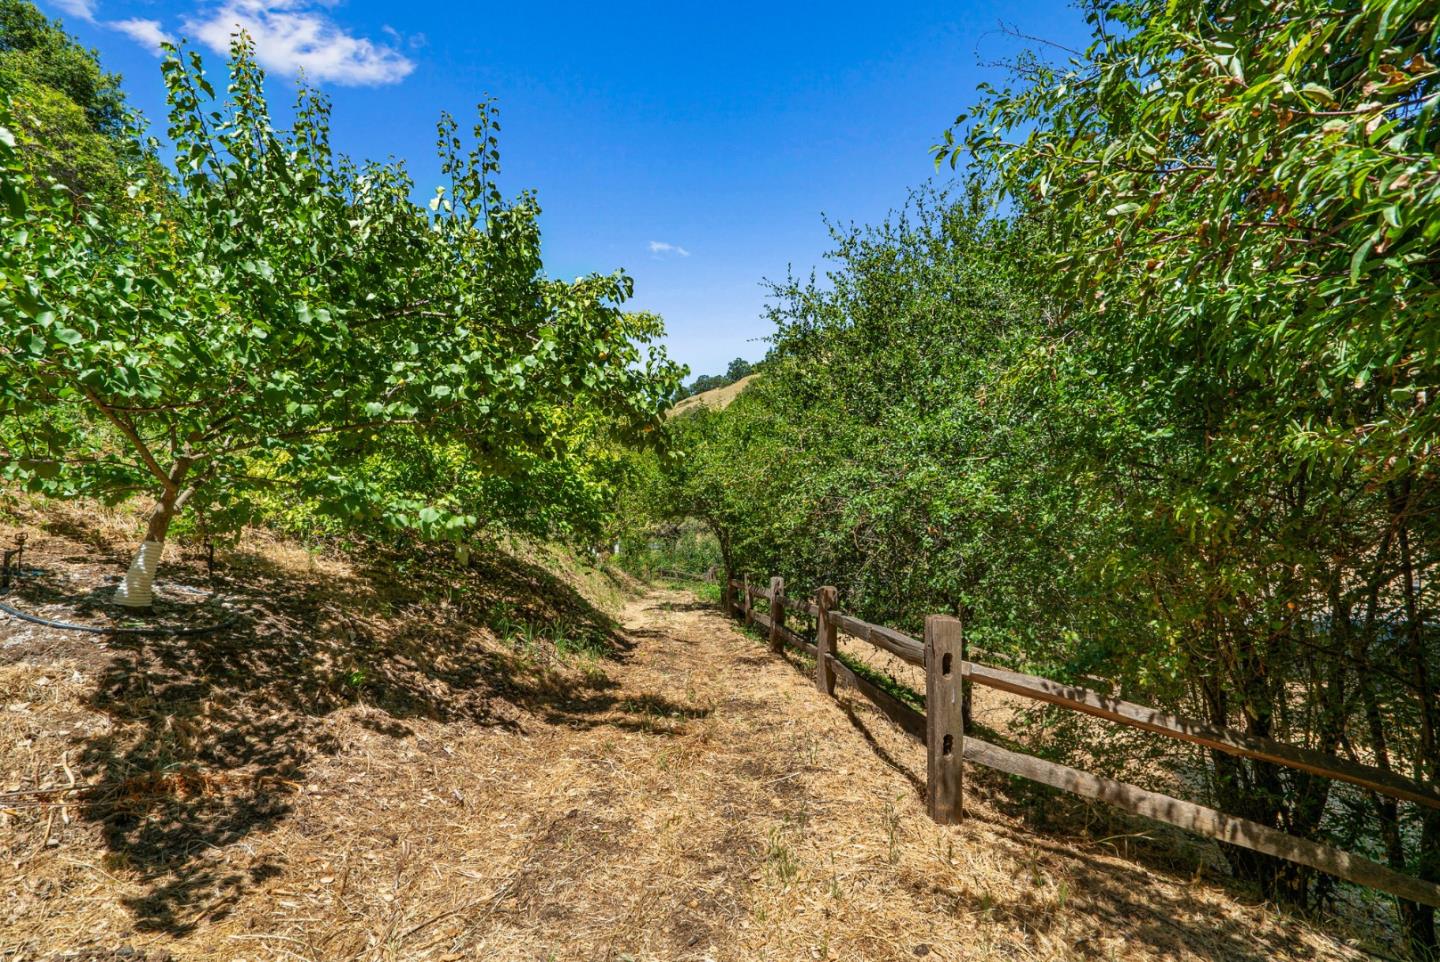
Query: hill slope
{"x": 386, "y": 758}
{"x": 718, "y": 398}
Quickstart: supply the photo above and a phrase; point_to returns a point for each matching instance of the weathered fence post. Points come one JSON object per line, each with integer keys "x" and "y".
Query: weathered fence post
{"x": 944, "y": 719}
{"x": 777, "y": 615}
{"x": 745, "y": 603}
{"x": 824, "y": 640}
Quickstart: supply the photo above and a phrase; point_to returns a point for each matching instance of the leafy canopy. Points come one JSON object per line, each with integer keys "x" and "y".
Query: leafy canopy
{"x": 1252, "y": 190}
{"x": 35, "y": 48}
{"x": 276, "y": 316}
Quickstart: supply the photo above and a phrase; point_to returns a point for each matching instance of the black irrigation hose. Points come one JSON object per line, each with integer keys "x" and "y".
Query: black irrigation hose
{"x": 99, "y": 630}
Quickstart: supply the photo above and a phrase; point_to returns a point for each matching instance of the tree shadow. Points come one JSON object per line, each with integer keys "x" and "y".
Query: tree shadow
{"x": 1172, "y": 920}
{"x": 917, "y": 784}
{"x": 90, "y": 602}
{"x": 212, "y": 735}
{"x": 683, "y": 606}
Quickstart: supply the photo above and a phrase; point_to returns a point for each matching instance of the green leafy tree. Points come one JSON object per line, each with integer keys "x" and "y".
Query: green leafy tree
{"x": 945, "y": 426}
{"x": 1247, "y": 197}
{"x": 713, "y": 470}
{"x": 60, "y": 146}
{"x": 1256, "y": 186}
{"x": 738, "y": 369}
{"x": 67, "y": 114}
{"x": 279, "y": 317}
{"x": 38, "y": 49}
{"x": 892, "y": 449}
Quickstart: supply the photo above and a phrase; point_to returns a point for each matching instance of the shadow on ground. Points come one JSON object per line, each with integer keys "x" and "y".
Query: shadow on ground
{"x": 212, "y": 734}
{"x": 1169, "y": 919}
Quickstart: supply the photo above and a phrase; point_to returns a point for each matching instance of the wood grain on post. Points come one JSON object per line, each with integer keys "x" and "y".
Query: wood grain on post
{"x": 824, "y": 640}
{"x": 745, "y": 602}
{"x": 945, "y": 725}
{"x": 777, "y": 614}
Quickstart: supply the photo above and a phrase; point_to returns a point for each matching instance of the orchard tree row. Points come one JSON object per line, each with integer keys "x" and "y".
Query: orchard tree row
{"x": 1151, "y": 398}
{"x": 259, "y": 325}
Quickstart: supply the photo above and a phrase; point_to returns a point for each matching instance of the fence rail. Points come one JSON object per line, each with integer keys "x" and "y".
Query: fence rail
{"x": 940, "y": 728}
{"x": 686, "y": 575}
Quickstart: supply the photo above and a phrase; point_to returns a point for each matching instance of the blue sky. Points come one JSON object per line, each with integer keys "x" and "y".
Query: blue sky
{"x": 697, "y": 146}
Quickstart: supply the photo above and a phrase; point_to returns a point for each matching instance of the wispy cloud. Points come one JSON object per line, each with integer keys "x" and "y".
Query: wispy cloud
{"x": 147, "y": 33}
{"x": 293, "y": 36}
{"x": 661, "y": 248}
{"x": 84, "y": 9}
{"x": 415, "y": 41}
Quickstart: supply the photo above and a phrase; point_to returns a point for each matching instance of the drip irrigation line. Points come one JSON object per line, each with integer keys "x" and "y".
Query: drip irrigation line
{"x": 102, "y": 630}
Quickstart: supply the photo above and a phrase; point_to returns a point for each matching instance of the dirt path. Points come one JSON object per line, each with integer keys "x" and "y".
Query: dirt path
{"x": 723, "y": 810}
{"x": 756, "y": 819}
{"x": 694, "y": 799}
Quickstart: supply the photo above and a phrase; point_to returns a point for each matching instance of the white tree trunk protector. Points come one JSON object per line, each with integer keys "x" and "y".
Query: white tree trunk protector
{"x": 135, "y": 591}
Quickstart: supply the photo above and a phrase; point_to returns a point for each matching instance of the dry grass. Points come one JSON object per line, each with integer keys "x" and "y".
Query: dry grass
{"x": 478, "y": 791}
{"x": 718, "y": 398}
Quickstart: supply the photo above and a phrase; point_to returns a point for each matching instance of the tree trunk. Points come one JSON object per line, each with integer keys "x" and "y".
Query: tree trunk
{"x": 1250, "y": 790}
{"x": 727, "y": 593}
{"x": 1420, "y": 923}
{"x": 137, "y": 590}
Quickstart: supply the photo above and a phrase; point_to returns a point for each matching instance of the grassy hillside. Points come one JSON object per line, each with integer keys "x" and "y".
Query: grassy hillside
{"x": 719, "y": 398}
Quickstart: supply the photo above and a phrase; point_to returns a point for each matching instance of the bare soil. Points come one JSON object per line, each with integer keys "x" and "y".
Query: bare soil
{"x": 388, "y": 760}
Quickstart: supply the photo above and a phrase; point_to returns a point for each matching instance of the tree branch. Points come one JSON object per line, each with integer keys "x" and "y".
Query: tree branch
{"x": 129, "y": 431}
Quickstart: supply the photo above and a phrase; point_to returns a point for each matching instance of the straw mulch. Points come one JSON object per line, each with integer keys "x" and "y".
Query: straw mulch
{"x": 444, "y": 795}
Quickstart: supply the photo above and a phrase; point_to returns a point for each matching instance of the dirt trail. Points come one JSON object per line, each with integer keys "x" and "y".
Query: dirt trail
{"x": 769, "y": 822}
{"x": 696, "y": 800}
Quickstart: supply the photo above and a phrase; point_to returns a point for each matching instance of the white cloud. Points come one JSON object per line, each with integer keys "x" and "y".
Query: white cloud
{"x": 661, "y": 247}
{"x": 84, "y": 9}
{"x": 147, "y": 33}
{"x": 415, "y": 41}
{"x": 292, "y": 36}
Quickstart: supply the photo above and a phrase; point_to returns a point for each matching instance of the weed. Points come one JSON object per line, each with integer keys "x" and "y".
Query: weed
{"x": 780, "y": 857}
{"x": 892, "y": 830}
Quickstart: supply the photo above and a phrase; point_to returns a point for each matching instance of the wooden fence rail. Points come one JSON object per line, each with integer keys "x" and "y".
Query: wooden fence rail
{"x": 940, "y": 728}
{"x": 686, "y": 575}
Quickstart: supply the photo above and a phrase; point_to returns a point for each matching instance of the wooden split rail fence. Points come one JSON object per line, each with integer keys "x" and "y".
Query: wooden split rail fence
{"x": 709, "y": 575}
{"x": 941, "y": 730}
